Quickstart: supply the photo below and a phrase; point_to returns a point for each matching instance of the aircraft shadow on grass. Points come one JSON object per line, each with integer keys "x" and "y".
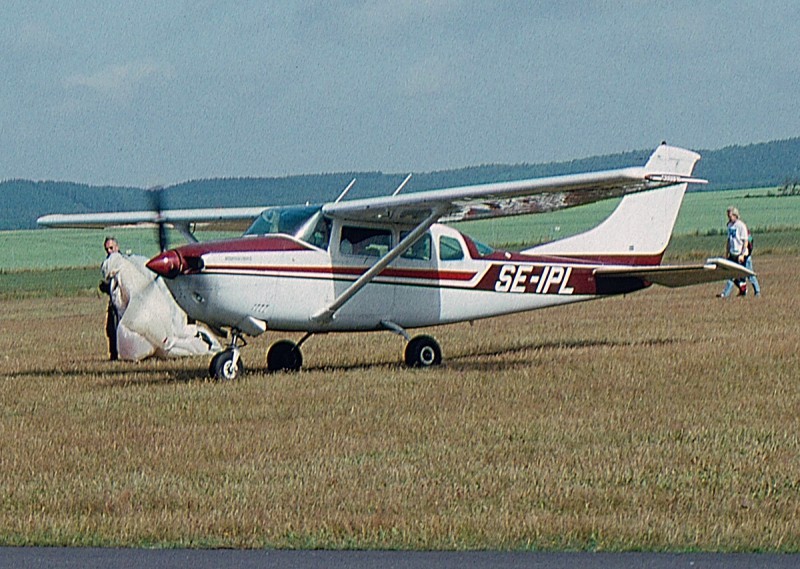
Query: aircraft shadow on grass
{"x": 135, "y": 374}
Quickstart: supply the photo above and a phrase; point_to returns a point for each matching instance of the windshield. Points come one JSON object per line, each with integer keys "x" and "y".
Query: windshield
{"x": 283, "y": 219}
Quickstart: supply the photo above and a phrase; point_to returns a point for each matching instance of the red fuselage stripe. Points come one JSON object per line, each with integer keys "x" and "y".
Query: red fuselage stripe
{"x": 347, "y": 271}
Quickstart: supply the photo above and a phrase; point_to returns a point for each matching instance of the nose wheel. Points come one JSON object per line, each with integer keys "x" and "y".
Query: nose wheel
{"x": 227, "y": 365}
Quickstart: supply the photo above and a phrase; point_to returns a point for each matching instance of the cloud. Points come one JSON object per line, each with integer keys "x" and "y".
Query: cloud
{"x": 123, "y": 79}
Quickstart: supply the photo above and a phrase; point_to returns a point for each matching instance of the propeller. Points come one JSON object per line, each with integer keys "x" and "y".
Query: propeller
{"x": 168, "y": 263}
{"x": 157, "y": 205}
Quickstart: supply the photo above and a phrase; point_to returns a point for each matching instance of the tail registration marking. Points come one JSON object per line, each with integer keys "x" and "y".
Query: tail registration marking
{"x": 521, "y": 279}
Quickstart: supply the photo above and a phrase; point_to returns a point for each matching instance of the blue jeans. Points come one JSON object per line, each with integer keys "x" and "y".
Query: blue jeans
{"x": 748, "y": 264}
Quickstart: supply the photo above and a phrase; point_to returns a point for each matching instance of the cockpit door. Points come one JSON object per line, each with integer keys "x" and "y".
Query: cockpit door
{"x": 354, "y": 248}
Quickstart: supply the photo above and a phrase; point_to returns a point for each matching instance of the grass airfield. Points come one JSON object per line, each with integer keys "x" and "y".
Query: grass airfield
{"x": 666, "y": 421}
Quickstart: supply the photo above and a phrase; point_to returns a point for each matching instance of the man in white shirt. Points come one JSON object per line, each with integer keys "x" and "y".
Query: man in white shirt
{"x": 737, "y": 249}
{"x": 737, "y": 237}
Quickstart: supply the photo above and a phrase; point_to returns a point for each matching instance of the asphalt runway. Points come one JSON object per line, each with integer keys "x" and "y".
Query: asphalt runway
{"x": 90, "y": 558}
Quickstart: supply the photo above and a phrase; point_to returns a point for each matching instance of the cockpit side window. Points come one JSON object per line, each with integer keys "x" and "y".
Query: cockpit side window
{"x": 365, "y": 241}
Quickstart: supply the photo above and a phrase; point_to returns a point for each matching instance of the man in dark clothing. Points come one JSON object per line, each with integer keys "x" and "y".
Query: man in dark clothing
{"x": 112, "y": 318}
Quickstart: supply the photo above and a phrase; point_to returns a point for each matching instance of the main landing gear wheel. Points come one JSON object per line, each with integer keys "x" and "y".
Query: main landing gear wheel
{"x": 284, "y": 355}
{"x": 226, "y": 366}
{"x": 423, "y": 351}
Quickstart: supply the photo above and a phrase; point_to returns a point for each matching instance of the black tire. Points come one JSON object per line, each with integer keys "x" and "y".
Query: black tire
{"x": 284, "y": 355}
{"x": 212, "y": 367}
{"x": 423, "y": 351}
{"x": 222, "y": 367}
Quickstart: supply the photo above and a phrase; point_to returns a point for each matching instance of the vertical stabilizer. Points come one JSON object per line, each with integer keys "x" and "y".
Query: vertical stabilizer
{"x": 640, "y": 227}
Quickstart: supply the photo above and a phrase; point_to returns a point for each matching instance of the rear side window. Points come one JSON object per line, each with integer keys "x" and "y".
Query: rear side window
{"x": 450, "y": 249}
{"x": 420, "y": 250}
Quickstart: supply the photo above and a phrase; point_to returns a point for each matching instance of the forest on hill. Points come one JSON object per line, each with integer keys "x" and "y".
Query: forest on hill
{"x": 23, "y": 201}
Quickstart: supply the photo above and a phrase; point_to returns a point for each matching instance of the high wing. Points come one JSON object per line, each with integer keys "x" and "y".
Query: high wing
{"x": 674, "y": 276}
{"x": 221, "y": 218}
{"x": 667, "y": 166}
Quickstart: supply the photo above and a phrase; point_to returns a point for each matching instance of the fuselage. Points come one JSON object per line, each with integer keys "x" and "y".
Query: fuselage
{"x": 285, "y": 281}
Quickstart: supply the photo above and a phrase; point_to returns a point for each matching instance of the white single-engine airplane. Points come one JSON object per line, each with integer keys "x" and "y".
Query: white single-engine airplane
{"x": 388, "y": 263}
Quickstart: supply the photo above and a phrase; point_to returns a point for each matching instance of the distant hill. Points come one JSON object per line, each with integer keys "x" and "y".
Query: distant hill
{"x": 22, "y": 201}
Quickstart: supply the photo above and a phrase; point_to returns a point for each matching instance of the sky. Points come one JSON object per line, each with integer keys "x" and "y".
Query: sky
{"x": 152, "y": 93}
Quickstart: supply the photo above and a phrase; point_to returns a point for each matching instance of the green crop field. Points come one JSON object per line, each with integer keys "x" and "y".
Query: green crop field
{"x": 45, "y": 249}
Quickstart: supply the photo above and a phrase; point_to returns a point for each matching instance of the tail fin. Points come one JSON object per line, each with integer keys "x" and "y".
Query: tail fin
{"x": 639, "y": 229}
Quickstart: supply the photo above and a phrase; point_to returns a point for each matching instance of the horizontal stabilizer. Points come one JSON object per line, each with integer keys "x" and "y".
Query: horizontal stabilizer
{"x": 673, "y": 276}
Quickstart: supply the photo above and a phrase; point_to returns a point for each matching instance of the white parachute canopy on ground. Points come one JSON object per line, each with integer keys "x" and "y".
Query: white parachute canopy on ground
{"x": 151, "y": 322}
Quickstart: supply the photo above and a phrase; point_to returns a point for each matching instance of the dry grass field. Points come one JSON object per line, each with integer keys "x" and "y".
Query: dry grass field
{"x": 665, "y": 420}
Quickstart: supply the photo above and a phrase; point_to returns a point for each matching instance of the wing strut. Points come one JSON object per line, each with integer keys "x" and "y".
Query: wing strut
{"x": 185, "y": 229}
{"x": 326, "y": 315}
{"x": 402, "y": 185}
{"x": 344, "y": 192}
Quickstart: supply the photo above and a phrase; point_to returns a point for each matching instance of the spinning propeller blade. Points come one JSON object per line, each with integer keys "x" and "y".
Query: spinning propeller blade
{"x": 157, "y": 205}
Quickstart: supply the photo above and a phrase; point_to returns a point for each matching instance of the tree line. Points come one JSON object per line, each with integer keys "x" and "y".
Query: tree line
{"x": 22, "y": 201}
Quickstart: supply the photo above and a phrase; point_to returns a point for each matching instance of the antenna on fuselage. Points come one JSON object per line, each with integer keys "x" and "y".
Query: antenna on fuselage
{"x": 344, "y": 192}
{"x": 402, "y": 185}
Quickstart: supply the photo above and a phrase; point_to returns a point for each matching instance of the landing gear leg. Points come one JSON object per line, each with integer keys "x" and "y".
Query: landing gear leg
{"x": 227, "y": 365}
